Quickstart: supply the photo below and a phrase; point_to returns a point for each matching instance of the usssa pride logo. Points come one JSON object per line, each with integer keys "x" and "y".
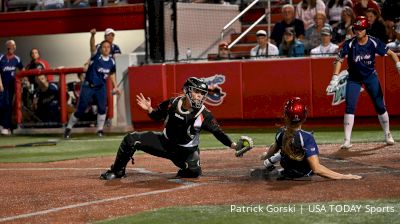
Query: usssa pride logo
{"x": 215, "y": 94}
{"x": 337, "y": 88}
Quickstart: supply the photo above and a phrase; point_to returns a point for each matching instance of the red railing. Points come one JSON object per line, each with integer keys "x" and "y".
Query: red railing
{"x": 62, "y": 84}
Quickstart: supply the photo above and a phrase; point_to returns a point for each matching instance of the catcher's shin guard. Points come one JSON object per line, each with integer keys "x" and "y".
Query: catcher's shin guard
{"x": 124, "y": 154}
{"x": 191, "y": 167}
{"x": 189, "y": 172}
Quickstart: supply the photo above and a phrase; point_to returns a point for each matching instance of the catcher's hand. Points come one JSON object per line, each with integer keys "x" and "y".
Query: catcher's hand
{"x": 243, "y": 145}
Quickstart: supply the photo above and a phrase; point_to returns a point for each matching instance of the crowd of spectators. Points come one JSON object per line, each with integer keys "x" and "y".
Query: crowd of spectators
{"x": 320, "y": 27}
{"x": 23, "y": 5}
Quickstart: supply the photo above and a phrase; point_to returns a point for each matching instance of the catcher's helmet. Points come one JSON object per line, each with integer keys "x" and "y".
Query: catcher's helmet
{"x": 197, "y": 85}
{"x": 295, "y": 110}
{"x": 360, "y": 23}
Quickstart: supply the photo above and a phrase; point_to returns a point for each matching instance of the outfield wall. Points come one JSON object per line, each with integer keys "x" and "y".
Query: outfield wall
{"x": 257, "y": 89}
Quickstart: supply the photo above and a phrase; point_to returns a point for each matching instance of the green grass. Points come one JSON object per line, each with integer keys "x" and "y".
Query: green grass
{"x": 83, "y": 146}
{"x": 223, "y": 214}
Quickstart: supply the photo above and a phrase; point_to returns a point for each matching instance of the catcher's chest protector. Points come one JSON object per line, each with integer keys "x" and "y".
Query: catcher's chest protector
{"x": 182, "y": 126}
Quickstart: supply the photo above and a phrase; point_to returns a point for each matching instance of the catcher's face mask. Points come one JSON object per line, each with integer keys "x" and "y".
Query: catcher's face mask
{"x": 196, "y": 96}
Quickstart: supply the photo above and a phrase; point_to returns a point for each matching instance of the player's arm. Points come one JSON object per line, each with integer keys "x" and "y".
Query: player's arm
{"x": 395, "y": 59}
{"x": 272, "y": 149}
{"x": 337, "y": 65}
{"x": 92, "y": 41}
{"x": 1, "y": 85}
{"x": 323, "y": 171}
{"x": 210, "y": 124}
{"x": 158, "y": 113}
{"x": 86, "y": 65}
{"x": 114, "y": 84}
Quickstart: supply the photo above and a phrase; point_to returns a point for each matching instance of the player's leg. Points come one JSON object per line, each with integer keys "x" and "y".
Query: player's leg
{"x": 189, "y": 166}
{"x": 7, "y": 110}
{"x": 2, "y": 108}
{"x": 352, "y": 94}
{"x": 84, "y": 100}
{"x": 101, "y": 100}
{"x": 374, "y": 90}
{"x": 150, "y": 142}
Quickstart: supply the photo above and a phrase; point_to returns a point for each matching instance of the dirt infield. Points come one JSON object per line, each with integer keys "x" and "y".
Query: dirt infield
{"x": 71, "y": 192}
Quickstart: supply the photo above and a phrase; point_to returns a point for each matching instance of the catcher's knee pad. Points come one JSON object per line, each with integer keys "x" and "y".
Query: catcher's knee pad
{"x": 129, "y": 144}
{"x": 193, "y": 169}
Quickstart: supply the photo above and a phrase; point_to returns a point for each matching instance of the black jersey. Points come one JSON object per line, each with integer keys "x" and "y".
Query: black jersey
{"x": 183, "y": 127}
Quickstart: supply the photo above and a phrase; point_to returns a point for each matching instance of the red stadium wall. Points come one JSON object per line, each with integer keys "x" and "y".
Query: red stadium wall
{"x": 258, "y": 89}
{"x": 127, "y": 17}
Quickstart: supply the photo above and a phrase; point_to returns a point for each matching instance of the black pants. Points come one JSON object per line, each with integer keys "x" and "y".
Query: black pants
{"x": 154, "y": 143}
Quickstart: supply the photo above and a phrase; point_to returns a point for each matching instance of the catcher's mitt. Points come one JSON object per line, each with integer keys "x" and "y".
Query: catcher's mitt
{"x": 243, "y": 145}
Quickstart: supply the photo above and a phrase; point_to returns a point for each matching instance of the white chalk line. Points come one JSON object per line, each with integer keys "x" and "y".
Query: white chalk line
{"x": 94, "y": 140}
{"x": 43, "y": 212}
{"x": 140, "y": 170}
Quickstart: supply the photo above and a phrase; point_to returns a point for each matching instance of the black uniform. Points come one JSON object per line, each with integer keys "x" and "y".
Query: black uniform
{"x": 179, "y": 140}
{"x": 48, "y": 104}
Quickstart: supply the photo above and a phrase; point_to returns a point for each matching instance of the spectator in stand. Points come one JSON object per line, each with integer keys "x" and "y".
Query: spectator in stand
{"x": 360, "y": 8}
{"x": 207, "y": 1}
{"x": 9, "y": 66}
{"x": 263, "y": 48}
{"x": 390, "y": 13}
{"x": 390, "y": 10}
{"x": 46, "y": 102}
{"x": 347, "y": 20}
{"x": 395, "y": 45}
{"x": 377, "y": 26}
{"x": 109, "y": 35}
{"x": 326, "y": 48}
{"x": 290, "y": 46}
{"x": 349, "y": 34}
{"x": 50, "y": 4}
{"x": 313, "y": 34}
{"x": 79, "y": 4}
{"x": 334, "y": 10}
{"x": 289, "y": 20}
{"x": 223, "y": 51}
{"x": 307, "y": 9}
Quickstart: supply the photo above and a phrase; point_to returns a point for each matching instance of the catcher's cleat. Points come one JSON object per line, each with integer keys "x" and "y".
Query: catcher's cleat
{"x": 67, "y": 133}
{"x": 389, "y": 139}
{"x": 187, "y": 173}
{"x": 111, "y": 175}
{"x": 100, "y": 133}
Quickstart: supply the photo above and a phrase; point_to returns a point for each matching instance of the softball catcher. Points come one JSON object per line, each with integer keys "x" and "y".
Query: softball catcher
{"x": 184, "y": 117}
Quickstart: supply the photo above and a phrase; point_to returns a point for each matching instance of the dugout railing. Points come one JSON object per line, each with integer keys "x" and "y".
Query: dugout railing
{"x": 62, "y": 85}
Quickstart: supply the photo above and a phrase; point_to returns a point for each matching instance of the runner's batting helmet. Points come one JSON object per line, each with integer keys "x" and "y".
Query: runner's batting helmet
{"x": 196, "y": 85}
{"x": 295, "y": 110}
{"x": 360, "y": 23}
